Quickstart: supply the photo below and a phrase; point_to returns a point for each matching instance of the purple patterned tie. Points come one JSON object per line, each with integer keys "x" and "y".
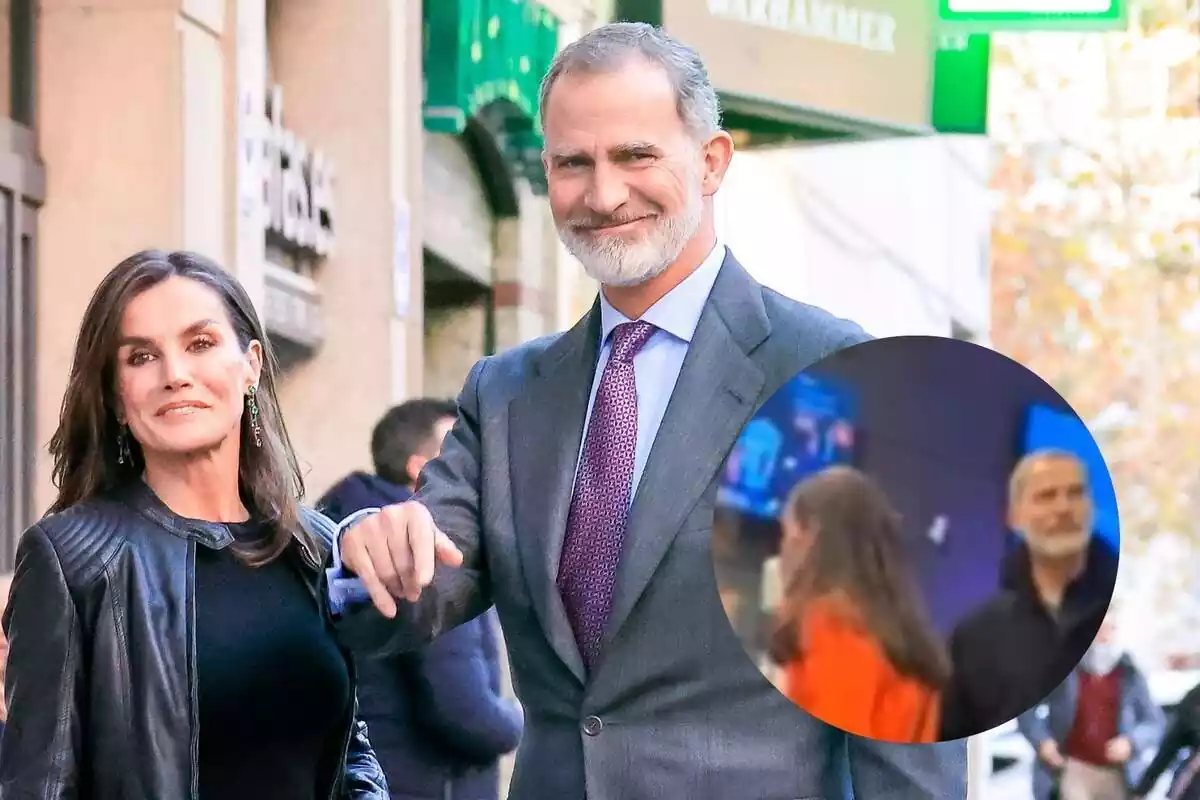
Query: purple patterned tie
{"x": 600, "y": 502}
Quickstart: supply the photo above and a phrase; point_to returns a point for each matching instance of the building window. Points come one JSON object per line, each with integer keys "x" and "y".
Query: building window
{"x": 21, "y": 25}
{"x": 17, "y": 398}
{"x": 22, "y": 183}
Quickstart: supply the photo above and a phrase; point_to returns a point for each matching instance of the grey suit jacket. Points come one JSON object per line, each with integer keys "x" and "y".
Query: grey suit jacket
{"x": 674, "y": 708}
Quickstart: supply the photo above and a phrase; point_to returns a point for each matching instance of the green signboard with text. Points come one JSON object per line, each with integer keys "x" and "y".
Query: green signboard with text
{"x": 988, "y": 16}
{"x": 812, "y": 70}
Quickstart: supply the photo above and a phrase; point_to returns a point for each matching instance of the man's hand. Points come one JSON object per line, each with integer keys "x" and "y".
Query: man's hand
{"x": 393, "y": 553}
{"x": 1048, "y": 752}
{"x": 1119, "y": 750}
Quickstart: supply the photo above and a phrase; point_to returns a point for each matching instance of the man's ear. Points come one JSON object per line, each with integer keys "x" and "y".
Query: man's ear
{"x": 416, "y": 462}
{"x": 718, "y": 154}
{"x": 1014, "y": 519}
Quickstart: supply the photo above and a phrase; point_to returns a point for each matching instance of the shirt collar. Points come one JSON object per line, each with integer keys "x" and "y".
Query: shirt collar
{"x": 678, "y": 311}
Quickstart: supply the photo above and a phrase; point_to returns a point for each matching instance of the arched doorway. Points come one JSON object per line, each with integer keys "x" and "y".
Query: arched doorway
{"x": 459, "y": 255}
{"x": 481, "y": 173}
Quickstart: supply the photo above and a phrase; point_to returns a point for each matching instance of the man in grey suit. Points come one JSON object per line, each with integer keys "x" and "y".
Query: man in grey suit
{"x": 576, "y": 489}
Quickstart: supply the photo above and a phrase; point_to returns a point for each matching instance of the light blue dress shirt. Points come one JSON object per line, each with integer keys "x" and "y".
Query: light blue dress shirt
{"x": 656, "y": 366}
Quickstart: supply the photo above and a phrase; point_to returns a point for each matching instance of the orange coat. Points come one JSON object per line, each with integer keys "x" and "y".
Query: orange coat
{"x": 844, "y": 678}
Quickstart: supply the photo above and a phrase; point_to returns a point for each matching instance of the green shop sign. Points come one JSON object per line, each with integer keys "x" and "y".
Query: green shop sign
{"x": 961, "y": 72}
{"x": 484, "y": 60}
{"x": 985, "y": 16}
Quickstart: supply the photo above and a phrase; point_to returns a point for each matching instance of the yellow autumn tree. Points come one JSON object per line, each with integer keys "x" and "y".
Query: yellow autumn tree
{"x": 1096, "y": 284}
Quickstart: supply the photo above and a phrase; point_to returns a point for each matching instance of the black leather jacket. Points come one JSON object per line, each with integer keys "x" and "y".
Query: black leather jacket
{"x": 102, "y": 695}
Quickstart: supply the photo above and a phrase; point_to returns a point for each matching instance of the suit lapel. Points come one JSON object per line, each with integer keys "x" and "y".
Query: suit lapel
{"x": 715, "y": 395}
{"x": 545, "y": 431}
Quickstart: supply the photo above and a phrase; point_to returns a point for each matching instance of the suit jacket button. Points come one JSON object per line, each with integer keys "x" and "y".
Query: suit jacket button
{"x": 592, "y": 726}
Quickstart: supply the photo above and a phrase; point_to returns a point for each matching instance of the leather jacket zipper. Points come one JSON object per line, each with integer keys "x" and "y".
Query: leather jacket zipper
{"x": 310, "y": 558}
{"x": 194, "y": 700}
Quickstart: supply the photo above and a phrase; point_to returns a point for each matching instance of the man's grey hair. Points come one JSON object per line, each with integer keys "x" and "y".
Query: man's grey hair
{"x": 611, "y": 46}
{"x": 1020, "y": 474}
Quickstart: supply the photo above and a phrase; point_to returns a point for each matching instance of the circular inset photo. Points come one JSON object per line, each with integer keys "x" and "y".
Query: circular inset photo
{"x": 916, "y": 539}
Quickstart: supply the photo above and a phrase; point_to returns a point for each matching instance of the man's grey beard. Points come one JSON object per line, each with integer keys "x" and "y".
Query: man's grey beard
{"x": 1101, "y": 658}
{"x": 1058, "y": 545}
{"x": 613, "y": 261}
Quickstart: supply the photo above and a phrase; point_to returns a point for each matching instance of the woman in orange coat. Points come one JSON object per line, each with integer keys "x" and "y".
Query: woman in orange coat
{"x": 852, "y": 635}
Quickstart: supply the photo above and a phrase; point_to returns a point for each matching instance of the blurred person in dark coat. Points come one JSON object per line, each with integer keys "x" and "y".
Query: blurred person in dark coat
{"x": 1182, "y": 738}
{"x": 1096, "y": 733}
{"x": 1011, "y": 652}
{"x": 438, "y": 721}
{"x": 5, "y": 586}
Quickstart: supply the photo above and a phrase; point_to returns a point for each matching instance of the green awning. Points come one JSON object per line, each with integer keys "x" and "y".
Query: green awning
{"x": 489, "y": 55}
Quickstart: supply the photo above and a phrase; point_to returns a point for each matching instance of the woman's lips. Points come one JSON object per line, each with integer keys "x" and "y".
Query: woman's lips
{"x": 180, "y": 409}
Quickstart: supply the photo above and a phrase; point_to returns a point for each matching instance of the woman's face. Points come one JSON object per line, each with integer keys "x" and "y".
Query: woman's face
{"x": 797, "y": 540}
{"x": 181, "y": 375}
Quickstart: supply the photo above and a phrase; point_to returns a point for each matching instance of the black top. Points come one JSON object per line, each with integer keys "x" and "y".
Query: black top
{"x": 273, "y": 686}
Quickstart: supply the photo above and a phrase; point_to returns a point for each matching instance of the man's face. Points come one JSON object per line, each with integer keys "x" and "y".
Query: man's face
{"x": 627, "y": 181}
{"x": 1054, "y": 508}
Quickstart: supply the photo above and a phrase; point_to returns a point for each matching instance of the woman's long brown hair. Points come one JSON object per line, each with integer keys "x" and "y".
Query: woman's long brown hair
{"x": 84, "y": 446}
{"x": 857, "y": 552}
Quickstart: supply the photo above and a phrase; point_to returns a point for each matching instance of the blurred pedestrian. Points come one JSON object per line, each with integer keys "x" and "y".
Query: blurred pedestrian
{"x": 5, "y": 587}
{"x": 853, "y": 635}
{"x": 576, "y": 490}
{"x": 1095, "y": 734}
{"x": 1011, "y": 652}
{"x": 1182, "y": 739}
{"x": 438, "y": 719}
{"x": 167, "y": 636}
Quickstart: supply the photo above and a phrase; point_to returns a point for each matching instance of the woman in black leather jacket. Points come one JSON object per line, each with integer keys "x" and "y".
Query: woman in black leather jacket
{"x": 167, "y": 630}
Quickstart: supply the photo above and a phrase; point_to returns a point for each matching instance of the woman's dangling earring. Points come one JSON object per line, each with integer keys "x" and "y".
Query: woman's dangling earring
{"x": 123, "y": 454}
{"x": 255, "y": 427}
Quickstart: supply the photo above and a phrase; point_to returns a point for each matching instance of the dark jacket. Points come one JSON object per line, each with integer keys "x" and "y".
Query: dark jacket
{"x": 1182, "y": 736}
{"x": 438, "y": 720}
{"x": 1138, "y": 719}
{"x": 1010, "y": 653}
{"x": 103, "y": 701}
